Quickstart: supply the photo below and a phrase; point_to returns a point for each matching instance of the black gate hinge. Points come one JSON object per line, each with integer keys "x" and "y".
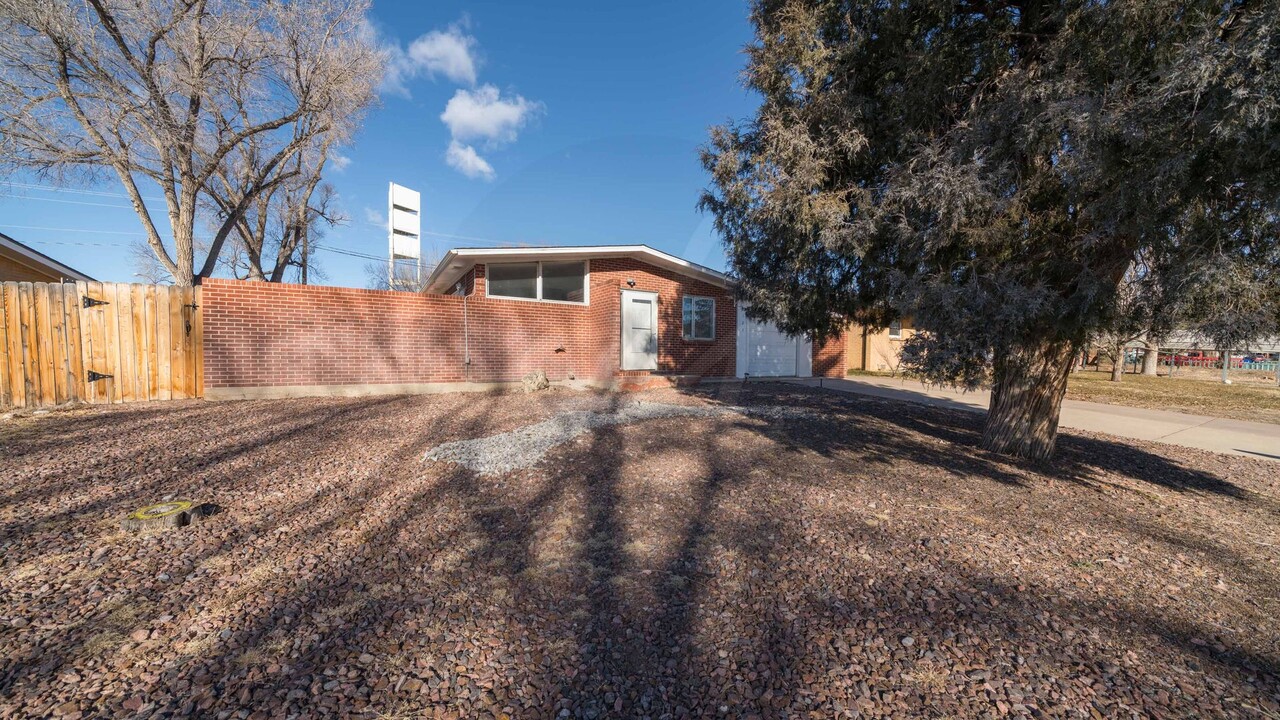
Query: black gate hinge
{"x": 95, "y": 376}
{"x": 89, "y": 302}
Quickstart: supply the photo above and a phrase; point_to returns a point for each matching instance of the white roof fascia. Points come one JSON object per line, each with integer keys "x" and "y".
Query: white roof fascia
{"x": 456, "y": 262}
{"x": 43, "y": 261}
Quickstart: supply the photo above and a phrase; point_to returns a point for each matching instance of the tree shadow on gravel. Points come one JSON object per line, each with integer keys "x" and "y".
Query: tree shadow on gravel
{"x": 271, "y": 444}
{"x": 677, "y": 567}
{"x": 950, "y": 439}
{"x": 288, "y": 443}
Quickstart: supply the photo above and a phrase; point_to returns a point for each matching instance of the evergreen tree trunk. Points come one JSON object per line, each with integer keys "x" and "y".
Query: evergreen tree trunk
{"x": 1026, "y": 399}
{"x": 1117, "y": 363}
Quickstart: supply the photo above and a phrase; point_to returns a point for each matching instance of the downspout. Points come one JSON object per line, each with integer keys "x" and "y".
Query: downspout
{"x": 466, "y": 343}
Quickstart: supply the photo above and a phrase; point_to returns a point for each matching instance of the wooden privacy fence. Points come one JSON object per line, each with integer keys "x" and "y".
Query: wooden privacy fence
{"x": 98, "y": 343}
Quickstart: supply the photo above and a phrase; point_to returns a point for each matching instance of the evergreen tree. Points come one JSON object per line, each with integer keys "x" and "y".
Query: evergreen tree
{"x": 992, "y": 169}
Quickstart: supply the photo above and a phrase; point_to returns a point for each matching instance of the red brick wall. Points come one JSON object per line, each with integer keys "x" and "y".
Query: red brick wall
{"x": 266, "y": 334}
{"x": 469, "y": 282}
{"x": 829, "y": 359}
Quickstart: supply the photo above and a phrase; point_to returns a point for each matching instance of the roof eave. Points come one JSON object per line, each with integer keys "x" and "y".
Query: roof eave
{"x": 54, "y": 266}
{"x": 446, "y": 274}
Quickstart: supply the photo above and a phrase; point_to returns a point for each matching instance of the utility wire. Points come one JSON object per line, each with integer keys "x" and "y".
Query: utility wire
{"x": 468, "y": 238}
{"x": 72, "y": 202}
{"x": 326, "y": 248}
{"x": 74, "y": 230}
{"x": 103, "y": 193}
{"x": 78, "y": 191}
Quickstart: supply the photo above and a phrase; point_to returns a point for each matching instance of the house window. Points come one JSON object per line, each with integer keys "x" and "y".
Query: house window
{"x": 699, "y": 318}
{"x": 552, "y": 281}
{"x": 517, "y": 280}
{"x": 895, "y": 330}
{"x": 564, "y": 281}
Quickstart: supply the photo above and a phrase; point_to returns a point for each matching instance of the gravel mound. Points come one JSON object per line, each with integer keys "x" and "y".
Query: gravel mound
{"x": 526, "y": 446}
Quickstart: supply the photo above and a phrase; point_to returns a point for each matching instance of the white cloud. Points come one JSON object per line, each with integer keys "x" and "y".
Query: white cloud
{"x": 467, "y": 161}
{"x": 374, "y": 217}
{"x": 450, "y": 53}
{"x": 476, "y": 116}
{"x": 483, "y": 114}
{"x": 339, "y": 161}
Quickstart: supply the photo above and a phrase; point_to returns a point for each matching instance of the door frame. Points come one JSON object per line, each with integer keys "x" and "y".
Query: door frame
{"x": 622, "y": 327}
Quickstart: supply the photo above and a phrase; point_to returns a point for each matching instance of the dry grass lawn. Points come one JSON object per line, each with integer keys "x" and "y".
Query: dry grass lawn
{"x": 1241, "y": 401}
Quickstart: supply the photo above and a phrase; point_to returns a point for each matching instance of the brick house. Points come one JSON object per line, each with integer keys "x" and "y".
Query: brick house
{"x": 625, "y": 316}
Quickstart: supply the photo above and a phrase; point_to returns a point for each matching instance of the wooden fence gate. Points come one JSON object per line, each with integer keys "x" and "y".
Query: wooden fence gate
{"x": 98, "y": 343}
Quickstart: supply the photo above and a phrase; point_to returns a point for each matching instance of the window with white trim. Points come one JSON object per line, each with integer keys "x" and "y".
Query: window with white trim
{"x": 549, "y": 281}
{"x": 895, "y": 330}
{"x": 699, "y": 317}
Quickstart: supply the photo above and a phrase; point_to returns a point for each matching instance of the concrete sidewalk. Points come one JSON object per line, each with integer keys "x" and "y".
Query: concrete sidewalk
{"x": 1237, "y": 437}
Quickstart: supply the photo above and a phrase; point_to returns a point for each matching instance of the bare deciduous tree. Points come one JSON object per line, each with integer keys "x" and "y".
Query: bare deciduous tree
{"x": 277, "y": 227}
{"x": 410, "y": 277}
{"x": 171, "y": 92}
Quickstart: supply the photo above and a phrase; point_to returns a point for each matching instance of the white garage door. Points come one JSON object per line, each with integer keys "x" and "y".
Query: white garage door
{"x": 766, "y": 351}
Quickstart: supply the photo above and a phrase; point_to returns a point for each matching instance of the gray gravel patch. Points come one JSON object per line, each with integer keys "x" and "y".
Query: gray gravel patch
{"x": 526, "y": 446}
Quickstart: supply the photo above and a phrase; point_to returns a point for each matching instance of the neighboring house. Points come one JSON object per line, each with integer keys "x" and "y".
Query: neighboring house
{"x": 877, "y": 351}
{"x": 1182, "y": 340}
{"x": 619, "y": 316}
{"x": 19, "y": 263}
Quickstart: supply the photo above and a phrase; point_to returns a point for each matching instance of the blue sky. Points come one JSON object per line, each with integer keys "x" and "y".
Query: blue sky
{"x": 568, "y": 123}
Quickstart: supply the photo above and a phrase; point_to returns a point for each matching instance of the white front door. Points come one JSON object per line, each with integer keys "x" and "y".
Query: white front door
{"x": 639, "y": 330}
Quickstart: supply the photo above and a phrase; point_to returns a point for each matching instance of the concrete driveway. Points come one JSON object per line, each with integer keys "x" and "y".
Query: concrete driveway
{"x": 1238, "y": 437}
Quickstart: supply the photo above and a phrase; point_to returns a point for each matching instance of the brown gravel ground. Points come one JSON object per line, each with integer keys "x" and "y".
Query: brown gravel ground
{"x": 870, "y": 565}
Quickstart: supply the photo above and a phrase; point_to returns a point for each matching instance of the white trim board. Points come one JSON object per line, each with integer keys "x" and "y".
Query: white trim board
{"x": 41, "y": 261}
{"x": 457, "y": 262}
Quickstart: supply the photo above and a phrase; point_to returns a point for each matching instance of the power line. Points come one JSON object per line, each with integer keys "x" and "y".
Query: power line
{"x": 338, "y": 251}
{"x": 103, "y": 193}
{"x": 72, "y": 202}
{"x": 363, "y": 256}
{"x": 79, "y": 230}
{"x": 78, "y": 191}
{"x": 483, "y": 241}
{"x": 72, "y": 242}
{"x": 468, "y": 238}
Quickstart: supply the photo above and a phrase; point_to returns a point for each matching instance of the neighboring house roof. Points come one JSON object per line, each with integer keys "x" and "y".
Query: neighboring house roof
{"x": 1183, "y": 340}
{"x": 457, "y": 262}
{"x": 34, "y": 258}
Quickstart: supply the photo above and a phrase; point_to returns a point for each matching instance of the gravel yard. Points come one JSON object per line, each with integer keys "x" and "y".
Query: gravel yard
{"x": 845, "y": 558}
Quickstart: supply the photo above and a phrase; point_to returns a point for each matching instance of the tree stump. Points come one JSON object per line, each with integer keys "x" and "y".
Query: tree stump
{"x": 172, "y": 514}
